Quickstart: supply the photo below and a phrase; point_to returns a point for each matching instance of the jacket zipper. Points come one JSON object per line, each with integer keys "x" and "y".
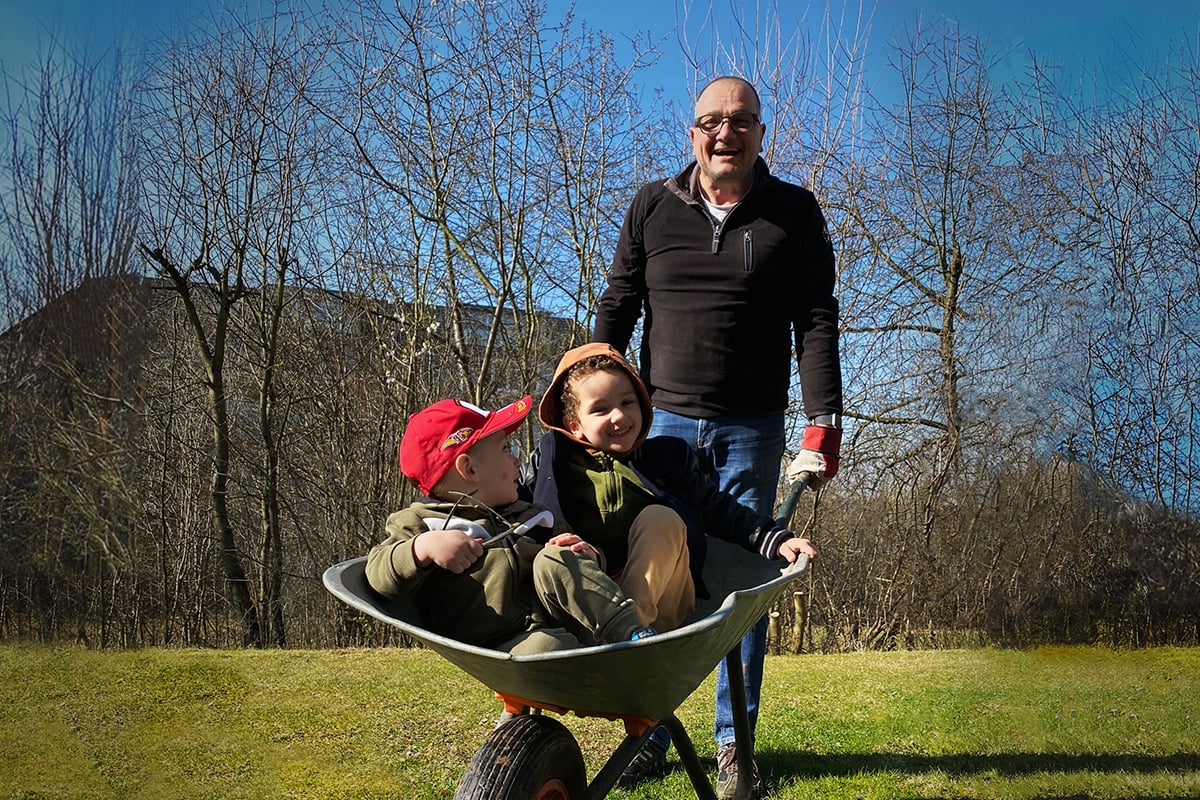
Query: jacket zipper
{"x": 748, "y": 251}
{"x": 719, "y": 227}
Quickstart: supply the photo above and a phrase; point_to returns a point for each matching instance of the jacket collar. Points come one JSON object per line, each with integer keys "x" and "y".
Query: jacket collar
{"x": 686, "y": 185}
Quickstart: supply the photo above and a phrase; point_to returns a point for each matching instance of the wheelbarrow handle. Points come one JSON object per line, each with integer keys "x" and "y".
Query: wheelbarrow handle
{"x": 788, "y": 506}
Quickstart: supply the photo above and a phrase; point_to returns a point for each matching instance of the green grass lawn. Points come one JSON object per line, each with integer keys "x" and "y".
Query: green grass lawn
{"x": 1047, "y": 723}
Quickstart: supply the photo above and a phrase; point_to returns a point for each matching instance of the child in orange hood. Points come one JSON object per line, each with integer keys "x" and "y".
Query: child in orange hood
{"x": 596, "y": 460}
{"x": 596, "y": 470}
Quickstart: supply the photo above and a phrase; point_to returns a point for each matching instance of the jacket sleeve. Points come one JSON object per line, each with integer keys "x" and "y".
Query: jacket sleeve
{"x": 815, "y": 324}
{"x": 620, "y": 305}
{"x": 391, "y": 566}
{"x": 723, "y": 516}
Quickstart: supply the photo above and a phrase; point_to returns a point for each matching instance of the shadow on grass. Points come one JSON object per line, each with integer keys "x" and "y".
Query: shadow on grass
{"x": 841, "y": 765}
{"x": 780, "y": 767}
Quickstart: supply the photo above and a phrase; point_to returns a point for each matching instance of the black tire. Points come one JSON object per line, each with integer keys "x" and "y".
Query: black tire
{"x": 532, "y": 757}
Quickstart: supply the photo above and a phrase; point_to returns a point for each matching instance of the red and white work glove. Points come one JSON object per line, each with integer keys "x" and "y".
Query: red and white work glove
{"x": 818, "y": 454}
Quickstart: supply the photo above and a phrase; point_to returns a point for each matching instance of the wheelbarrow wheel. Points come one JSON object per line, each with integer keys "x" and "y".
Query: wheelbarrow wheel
{"x": 531, "y": 757}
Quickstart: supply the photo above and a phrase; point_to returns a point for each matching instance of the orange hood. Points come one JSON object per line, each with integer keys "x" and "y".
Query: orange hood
{"x": 550, "y": 408}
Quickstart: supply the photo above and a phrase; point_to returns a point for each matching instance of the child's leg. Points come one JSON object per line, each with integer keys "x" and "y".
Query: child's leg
{"x": 541, "y": 640}
{"x": 656, "y": 573}
{"x": 578, "y": 595}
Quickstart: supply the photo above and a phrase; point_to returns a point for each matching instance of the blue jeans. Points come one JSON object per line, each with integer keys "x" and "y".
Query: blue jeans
{"x": 743, "y": 455}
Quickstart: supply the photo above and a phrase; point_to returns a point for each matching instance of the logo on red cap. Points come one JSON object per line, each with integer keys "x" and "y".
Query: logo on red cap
{"x": 457, "y": 438}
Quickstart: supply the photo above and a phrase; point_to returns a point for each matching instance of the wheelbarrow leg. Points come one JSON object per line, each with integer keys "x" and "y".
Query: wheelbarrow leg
{"x": 691, "y": 762}
{"x": 610, "y": 773}
{"x": 741, "y": 722}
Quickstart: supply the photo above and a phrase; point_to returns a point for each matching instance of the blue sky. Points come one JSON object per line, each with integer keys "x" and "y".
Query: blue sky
{"x": 1091, "y": 33}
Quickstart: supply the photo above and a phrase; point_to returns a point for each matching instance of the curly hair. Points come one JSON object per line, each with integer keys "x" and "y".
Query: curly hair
{"x": 581, "y": 370}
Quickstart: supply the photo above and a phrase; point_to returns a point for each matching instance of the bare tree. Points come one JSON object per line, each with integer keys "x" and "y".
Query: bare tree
{"x": 1137, "y": 238}
{"x": 70, "y": 209}
{"x": 497, "y": 177}
{"x": 228, "y": 188}
{"x": 68, "y": 215}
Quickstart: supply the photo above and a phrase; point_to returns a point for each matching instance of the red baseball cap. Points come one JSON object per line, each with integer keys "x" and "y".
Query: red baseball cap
{"x": 436, "y": 435}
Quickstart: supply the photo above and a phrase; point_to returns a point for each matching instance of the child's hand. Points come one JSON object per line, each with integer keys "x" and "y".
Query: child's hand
{"x": 792, "y": 547}
{"x": 451, "y": 550}
{"x": 576, "y": 544}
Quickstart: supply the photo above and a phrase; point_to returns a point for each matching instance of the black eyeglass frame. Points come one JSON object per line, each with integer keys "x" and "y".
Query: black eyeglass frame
{"x": 717, "y": 121}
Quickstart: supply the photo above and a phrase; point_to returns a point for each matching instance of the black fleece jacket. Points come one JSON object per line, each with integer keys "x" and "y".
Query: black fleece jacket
{"x": 723, "y": 300}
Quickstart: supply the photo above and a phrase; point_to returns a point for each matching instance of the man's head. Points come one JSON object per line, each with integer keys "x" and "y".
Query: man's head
{"x": 601, "y": 406}
{"x": 727, "y": 136}
{"x": 455, "y": 446}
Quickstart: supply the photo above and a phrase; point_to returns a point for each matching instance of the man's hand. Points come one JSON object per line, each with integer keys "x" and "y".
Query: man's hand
{"x": 793, "y": 547}
{"x": 818, "y": 454}
{"x": 452, "y": 550}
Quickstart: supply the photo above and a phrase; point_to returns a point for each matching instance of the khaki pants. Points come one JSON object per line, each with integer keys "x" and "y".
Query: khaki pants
{"x": 656, "y": 574}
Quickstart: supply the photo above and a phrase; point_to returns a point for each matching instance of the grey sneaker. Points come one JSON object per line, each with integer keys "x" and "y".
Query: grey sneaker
{"x": 727, "y": 775}
{"x": 650, "y": 762}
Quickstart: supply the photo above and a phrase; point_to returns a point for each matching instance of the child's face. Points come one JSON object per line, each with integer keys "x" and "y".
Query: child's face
{"x": 497, "y": 470}
{"x": 610, "y": 416}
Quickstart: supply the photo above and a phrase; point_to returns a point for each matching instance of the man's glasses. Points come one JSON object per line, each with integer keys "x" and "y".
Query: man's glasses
{"x": 741, "y": 122}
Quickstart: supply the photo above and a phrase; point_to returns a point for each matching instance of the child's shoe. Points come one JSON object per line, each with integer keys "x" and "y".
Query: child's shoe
{"x": 650, "y": 762}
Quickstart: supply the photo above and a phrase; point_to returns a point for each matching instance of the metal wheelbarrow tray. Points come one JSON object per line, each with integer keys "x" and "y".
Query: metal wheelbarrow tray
{"x": 641, "y": 683}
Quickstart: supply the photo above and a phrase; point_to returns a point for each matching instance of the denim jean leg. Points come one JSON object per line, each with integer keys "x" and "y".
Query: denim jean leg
{"x": 747, "y": 454}
{"x": 668, "y": 423}
{"x": 754, "y": 651}
{"x": 744, "y": 455}
{"x": 661, "y": 737}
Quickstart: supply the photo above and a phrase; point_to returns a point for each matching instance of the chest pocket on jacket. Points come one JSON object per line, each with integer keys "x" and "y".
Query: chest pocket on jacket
{"x": 769, "y": 256}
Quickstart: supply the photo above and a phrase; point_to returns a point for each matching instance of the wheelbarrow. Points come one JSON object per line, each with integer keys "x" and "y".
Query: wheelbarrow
{"x": 641, "y": 683}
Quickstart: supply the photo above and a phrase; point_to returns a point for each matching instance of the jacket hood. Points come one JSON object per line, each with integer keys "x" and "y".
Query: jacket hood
{"x": 550, "y": 410}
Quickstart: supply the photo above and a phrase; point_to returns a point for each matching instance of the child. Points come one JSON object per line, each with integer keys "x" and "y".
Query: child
{"x": 596, "y": 457}
{"x": 462, "y": 552}
{"x": 598, "y": 412}
{"x": 644, "y": 540}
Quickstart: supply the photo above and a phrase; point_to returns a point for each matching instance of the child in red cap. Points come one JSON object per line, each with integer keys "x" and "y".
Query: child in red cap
{"x": 462, "y": 554}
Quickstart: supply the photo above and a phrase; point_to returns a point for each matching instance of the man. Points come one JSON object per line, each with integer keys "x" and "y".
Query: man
{"x": 730, "y": 266}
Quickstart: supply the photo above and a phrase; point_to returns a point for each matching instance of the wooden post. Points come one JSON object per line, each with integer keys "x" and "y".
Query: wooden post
{"x": 799, "y": 618}
{"x": 775, "y": 644}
